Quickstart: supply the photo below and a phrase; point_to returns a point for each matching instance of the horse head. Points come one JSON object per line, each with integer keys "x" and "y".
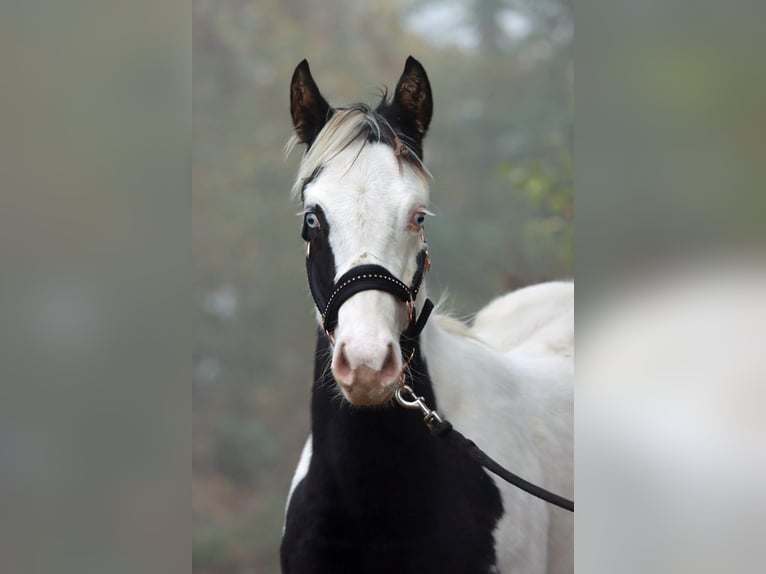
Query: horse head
{"x": 364, "y": 193}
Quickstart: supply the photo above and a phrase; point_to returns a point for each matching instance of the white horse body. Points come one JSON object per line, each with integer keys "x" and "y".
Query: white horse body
{"x": 518, "y": 407}
{"x": 539, "y": 316}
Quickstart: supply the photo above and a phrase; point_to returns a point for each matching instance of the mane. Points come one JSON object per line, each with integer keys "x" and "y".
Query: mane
{"x": 454, "y": 326}
{"x": 353, "y": 127}
{"x": 450, "y": 322}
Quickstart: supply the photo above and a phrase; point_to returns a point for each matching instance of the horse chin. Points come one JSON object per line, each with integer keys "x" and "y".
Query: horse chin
{"x": 366, "y": 399}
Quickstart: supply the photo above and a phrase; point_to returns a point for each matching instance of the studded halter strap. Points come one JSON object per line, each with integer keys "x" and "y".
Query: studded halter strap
{"x": 369, "y": 277}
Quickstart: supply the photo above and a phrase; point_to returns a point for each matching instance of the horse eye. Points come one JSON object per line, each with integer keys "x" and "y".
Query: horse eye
{"x": 312, "y": 220}
{"x": 420, "y": 219}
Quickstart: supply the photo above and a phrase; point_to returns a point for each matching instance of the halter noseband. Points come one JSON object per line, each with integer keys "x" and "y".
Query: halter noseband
{"x": 369, "y": 277}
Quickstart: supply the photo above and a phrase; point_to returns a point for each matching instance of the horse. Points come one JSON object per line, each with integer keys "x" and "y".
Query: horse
{"x": 374, "y": 491}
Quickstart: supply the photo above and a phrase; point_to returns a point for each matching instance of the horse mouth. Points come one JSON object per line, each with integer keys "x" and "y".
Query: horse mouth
{"x": 359, "y": 398}
{"x": 363, "y": 385}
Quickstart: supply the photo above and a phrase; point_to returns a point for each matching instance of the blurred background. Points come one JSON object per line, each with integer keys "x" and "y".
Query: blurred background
{"x": 501, "y": 152}
{"x": 95, "y": 298}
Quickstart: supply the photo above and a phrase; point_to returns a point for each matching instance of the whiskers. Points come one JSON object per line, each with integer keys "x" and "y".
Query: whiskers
{"x": 326, "y": 380}
{"x": 413, "y": 373}
{"x": 325, "y": 358}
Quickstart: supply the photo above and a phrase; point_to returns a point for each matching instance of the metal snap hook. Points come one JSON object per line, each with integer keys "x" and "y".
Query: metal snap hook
{"x": 429, "y": 416}
{"x": 399, "y": 394}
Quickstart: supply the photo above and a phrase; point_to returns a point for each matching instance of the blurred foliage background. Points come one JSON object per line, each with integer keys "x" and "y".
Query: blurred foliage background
{"x": 501, "y": 152}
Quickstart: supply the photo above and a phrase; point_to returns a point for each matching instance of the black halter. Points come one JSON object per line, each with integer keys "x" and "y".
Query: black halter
{"x": 329, "y": 298}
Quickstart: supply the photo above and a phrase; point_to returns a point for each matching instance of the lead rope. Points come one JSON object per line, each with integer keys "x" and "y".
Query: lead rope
{"x": 444, "y": 429}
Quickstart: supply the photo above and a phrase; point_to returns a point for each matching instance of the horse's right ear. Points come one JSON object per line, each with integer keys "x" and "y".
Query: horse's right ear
{"x": 308, "y": 108}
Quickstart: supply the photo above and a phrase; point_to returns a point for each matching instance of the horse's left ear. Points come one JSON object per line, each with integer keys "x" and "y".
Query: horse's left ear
{"x": 413, "y": 105}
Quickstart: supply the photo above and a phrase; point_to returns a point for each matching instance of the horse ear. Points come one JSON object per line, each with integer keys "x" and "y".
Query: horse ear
{"x": 413, "y": 105}
{"x": 308, "y": 108}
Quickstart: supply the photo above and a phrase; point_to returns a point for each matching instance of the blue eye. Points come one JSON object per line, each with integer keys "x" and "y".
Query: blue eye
{"x": 419, "y": 219}
{"x": 312, "y": 220}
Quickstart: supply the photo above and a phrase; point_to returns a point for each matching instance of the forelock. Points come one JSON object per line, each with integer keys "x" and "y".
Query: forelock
{"x": 352, "y": 128}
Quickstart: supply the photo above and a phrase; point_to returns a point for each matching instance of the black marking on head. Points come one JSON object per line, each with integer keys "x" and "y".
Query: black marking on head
{"x": 322, "y": 263}
{"x": 379, "y": 129}
{"x": 308, "y": 108}
{"x": 306, "y": 181}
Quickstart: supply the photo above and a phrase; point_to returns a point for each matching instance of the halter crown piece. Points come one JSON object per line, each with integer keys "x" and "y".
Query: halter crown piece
{"x": 368, "y": 277}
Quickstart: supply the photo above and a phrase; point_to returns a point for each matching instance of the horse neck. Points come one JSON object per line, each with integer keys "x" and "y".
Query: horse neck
{"x": 367, "y": 446}
{"x": 464, "y": 372}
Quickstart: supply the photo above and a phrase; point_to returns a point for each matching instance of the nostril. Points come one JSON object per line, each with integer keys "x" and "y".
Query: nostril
{"x": 342, "y": 365}
{"x": 366, "y": 370}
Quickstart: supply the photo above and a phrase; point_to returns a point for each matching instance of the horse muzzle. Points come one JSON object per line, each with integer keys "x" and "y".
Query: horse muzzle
{"x": 367, "y": 368}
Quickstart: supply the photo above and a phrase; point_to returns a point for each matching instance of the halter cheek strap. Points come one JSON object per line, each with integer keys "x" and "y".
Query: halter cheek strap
{"x": 368, "y": 277}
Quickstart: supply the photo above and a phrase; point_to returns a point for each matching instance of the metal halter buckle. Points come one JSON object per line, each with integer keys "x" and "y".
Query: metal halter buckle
{"x": 427, "y": 262}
